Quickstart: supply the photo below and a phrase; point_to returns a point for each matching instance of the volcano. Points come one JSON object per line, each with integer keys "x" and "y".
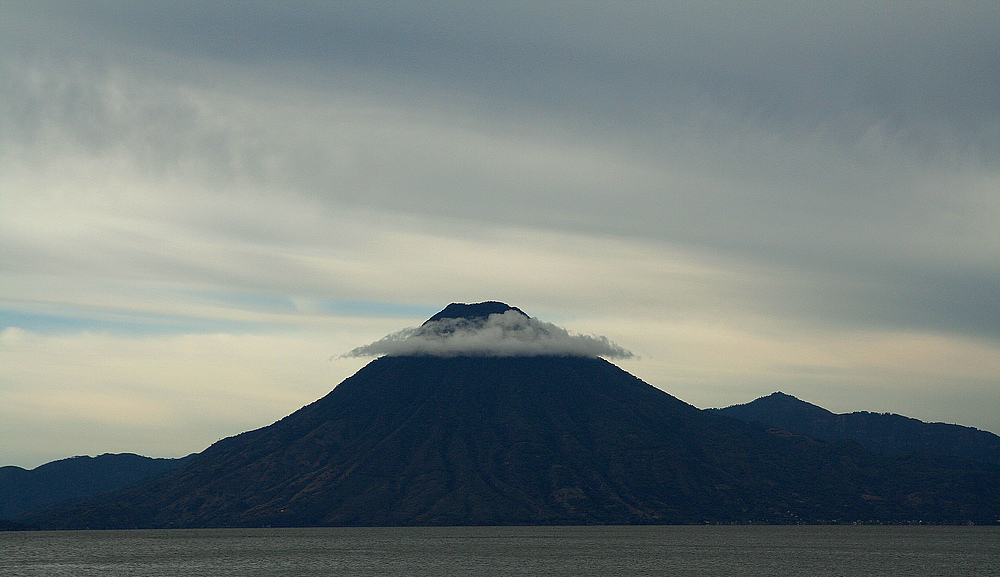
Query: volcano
{"x": 481, "y": 439}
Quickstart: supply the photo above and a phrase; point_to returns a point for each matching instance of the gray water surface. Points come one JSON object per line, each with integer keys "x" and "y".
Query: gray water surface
{"x": 673, "y": 550}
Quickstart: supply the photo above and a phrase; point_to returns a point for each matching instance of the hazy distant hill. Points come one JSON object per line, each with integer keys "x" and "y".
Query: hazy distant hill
{"x": 496, "y": 440}
{"x": 878, "y": 432}
{"x": 65, "y": 480}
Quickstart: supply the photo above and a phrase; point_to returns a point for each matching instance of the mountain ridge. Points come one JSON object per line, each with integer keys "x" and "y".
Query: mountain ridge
{"x": 877, "y": 432}
{"x": 65, "y": 480}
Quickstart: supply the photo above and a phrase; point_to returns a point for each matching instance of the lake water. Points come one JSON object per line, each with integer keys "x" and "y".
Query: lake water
{"x": 675, "y": 550}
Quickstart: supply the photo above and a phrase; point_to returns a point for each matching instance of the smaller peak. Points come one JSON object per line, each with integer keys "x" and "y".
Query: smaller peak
{"x": 788, "y": 402}
{"x": 473, "y": 311}
{"x": 779, "y": 397}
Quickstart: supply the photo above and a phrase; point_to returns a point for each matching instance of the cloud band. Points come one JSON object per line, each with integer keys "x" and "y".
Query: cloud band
{"x": 500, "y": 335}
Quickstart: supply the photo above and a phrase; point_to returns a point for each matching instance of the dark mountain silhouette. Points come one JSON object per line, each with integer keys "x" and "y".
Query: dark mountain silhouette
{"x": 473, "y": 312}
{"x": 425, "y": 440}
{"x": 25, "y": 490}
{"x": 877, "y": 432}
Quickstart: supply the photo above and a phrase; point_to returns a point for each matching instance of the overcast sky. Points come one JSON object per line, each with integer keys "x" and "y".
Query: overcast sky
{"x": 203, "y": 207}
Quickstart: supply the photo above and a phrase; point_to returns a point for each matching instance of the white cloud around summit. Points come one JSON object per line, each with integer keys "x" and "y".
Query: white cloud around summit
{"x": 501, "y": 335}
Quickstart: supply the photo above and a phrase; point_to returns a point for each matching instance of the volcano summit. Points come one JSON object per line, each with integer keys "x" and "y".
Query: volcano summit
{"x": 489, "y": 329}
{"x": 486, "y": 416}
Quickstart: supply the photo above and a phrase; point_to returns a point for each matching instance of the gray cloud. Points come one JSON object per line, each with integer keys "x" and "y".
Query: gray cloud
{"x": 838, "y": 141}
{"x": 790, "y": 60}
{"x": 501, "y": 335}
